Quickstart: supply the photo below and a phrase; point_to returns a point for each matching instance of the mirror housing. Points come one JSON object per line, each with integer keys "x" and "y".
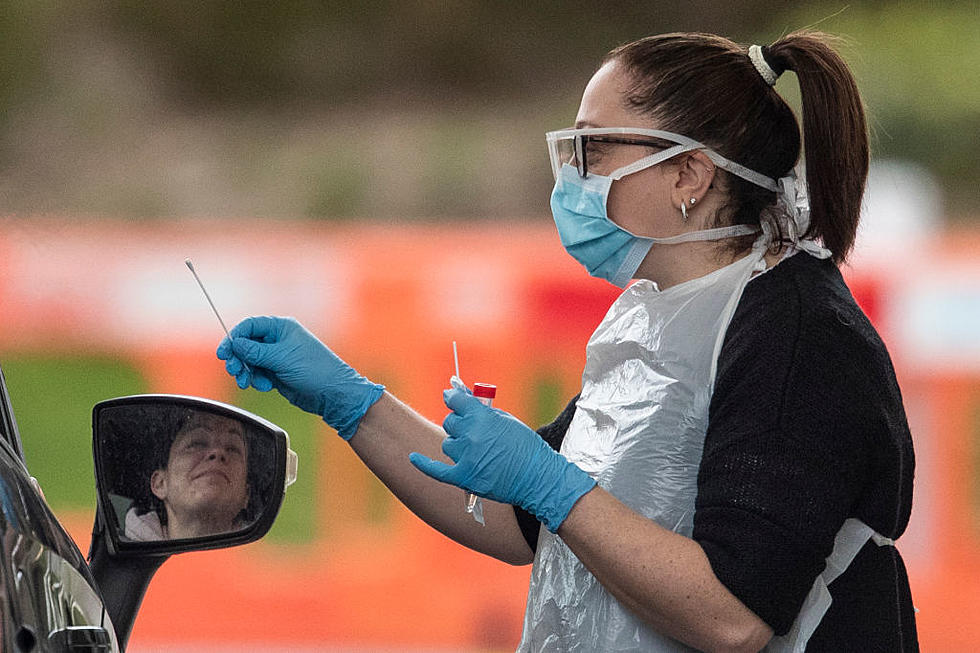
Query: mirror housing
{"x": 177, "y": 473}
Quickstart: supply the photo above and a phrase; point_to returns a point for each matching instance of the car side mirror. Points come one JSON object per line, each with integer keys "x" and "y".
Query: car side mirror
{"x": 177, "y": 473}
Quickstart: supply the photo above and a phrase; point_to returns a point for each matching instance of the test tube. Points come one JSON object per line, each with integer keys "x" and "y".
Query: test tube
{"x": 484, "y": 392}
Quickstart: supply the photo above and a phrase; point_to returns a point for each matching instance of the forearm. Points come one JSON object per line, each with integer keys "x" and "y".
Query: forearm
{"x": 387, "y": 434}
{"x": 663, "y": 577}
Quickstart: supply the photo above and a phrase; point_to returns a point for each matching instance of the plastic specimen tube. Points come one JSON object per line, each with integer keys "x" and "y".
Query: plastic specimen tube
{"x": 484, "y": 392}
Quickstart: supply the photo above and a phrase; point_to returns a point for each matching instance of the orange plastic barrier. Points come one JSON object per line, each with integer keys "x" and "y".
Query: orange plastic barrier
{"x": 391, "y": 298}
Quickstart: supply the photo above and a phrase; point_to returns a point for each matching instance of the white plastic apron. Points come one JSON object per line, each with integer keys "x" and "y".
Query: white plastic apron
{"x": 638, "y": 429}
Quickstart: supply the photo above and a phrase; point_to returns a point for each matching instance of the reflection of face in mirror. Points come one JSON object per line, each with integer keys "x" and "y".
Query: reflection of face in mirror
{"x": 175, "y": 471}
{"x": 204, "y": 486}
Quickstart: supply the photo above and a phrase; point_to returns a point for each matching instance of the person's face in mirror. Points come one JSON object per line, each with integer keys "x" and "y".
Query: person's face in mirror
{"x": 204, "y": 486}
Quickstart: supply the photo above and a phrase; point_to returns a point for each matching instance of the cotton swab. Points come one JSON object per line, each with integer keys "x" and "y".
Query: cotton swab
{"x": 190, "y": 266}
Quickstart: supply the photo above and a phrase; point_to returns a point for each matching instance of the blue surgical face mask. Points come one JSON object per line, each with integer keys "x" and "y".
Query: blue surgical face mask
{"x": 608, "y": 251}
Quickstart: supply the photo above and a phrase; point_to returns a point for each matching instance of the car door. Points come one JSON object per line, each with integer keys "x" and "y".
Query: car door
{"x": 49, "y": 602}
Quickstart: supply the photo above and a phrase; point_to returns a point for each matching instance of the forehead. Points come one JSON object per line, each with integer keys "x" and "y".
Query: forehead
{"x": 603, "y": 102}
{"x": 205, "y": 422}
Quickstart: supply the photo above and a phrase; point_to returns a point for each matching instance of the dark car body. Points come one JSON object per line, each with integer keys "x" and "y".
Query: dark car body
{"x": 50, "y": 600}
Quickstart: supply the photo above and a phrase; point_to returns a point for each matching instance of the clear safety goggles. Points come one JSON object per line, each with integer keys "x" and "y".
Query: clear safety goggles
{"x": 589, "y": 150}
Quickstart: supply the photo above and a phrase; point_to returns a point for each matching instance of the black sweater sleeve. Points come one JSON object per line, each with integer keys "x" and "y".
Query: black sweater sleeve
{"x": 553, "y": 434}
{"x": 805, "y": 424}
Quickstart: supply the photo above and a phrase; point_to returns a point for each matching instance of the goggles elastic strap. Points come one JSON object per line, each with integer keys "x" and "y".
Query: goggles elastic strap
{"x": 651, "y": 160}
{"x": 739, "y": 170}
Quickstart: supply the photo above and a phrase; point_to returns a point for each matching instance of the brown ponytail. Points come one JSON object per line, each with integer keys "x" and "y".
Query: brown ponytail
{"x": 835, "y": 136}
{"x": 706, "y": 87}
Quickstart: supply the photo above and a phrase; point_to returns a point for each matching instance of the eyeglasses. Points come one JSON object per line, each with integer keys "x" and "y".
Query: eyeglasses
{"x": 584, "y": 147}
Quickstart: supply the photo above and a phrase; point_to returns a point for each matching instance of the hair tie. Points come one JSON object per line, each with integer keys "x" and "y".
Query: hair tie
{"x": 758, "y": 57}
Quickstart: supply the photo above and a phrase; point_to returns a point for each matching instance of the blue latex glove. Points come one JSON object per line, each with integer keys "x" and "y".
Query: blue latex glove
{"x": 282, "y": 354}
{"x": 500, "y": 458}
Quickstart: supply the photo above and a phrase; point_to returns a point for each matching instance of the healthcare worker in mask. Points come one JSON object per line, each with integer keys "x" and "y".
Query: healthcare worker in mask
{"x": 738, "y": 464}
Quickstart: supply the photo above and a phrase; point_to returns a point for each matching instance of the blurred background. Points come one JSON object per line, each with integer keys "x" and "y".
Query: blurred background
{"x": 378, "y": 169}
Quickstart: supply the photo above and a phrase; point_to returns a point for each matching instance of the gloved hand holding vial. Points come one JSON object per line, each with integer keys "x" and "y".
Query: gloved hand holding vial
{"x": 485, "y": 392}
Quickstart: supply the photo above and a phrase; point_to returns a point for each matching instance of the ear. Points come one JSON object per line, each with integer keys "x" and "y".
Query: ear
{"x": 694, "y": 176}
{"x": 158, "y": 484}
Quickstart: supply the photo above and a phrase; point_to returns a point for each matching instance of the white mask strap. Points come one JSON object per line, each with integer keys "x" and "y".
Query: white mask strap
{"x": 792, "y": 195}
{"x": 718, "y": 233}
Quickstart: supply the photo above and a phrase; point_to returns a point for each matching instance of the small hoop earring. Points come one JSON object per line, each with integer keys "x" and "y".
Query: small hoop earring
{"x": 684, "y": 211}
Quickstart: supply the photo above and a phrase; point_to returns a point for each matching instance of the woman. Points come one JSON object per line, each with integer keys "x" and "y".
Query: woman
{"x": 738, "y": 463}
{"x": 200, "y": 484}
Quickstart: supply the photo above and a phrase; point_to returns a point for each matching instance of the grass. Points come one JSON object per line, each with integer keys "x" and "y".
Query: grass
{"x": 53, "y": 398}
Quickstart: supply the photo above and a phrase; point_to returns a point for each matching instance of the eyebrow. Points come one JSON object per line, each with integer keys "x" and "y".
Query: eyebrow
{"x": 583, "y": 124}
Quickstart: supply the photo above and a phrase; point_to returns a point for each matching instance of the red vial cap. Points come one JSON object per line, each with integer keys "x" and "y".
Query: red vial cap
{"x": 485, "y": 390}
